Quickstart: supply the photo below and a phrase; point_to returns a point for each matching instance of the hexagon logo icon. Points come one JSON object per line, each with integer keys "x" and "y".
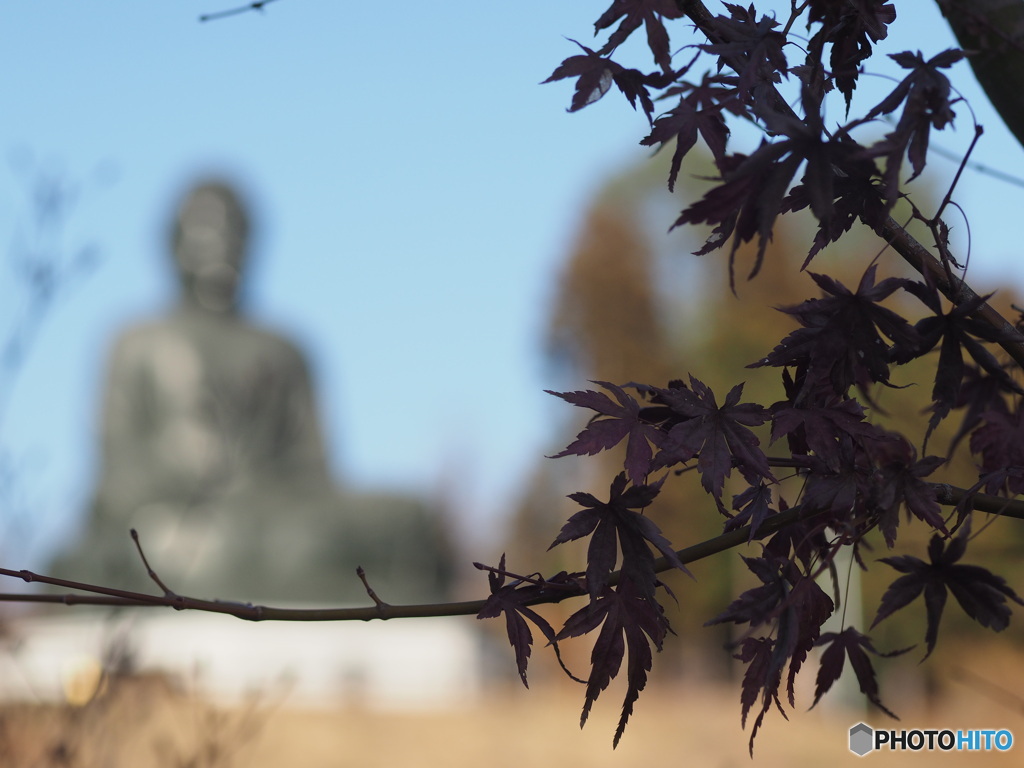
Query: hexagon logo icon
{"x": 861, "y": 739}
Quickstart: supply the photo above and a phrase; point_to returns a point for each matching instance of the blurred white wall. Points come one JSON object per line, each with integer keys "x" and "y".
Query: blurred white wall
{"x": 398, "y": 665}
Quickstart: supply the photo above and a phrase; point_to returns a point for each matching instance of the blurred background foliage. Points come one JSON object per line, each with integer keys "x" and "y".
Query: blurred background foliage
{"x": 633, "y": 305}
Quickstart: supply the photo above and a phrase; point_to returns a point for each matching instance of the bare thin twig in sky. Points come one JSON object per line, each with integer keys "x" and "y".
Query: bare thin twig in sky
{"x": 255, "y": 6}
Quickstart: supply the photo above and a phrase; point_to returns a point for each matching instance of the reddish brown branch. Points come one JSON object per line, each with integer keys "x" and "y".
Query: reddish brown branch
{"x": 956, "y": 290}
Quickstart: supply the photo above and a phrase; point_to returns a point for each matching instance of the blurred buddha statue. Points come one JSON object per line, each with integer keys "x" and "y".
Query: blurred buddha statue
{"x": 212, "y": 451}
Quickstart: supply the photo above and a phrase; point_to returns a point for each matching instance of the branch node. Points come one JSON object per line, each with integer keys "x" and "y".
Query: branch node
{"x": 382, "y": 607}
{"x": 944, "y": 494}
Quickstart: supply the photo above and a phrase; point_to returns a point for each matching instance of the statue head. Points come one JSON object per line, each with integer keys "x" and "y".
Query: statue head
{"x": 209, "y": 241}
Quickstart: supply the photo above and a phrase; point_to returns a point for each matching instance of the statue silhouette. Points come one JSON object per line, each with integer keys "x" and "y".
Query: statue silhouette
{"x": 212, "y": 451}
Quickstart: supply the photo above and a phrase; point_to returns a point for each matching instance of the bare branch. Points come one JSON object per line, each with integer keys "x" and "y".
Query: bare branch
{"x": 99, "y": 595}
{"x": 255, "y": 6}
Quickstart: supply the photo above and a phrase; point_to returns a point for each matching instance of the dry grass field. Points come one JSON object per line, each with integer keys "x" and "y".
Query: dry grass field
{"x": 148, "y": 723}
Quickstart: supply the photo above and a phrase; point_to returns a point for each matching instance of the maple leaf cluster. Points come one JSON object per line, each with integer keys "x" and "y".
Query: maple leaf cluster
{"x": 855, "y": 479}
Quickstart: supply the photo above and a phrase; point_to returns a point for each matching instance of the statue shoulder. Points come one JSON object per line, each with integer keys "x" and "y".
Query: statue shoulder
{"x": 282, "y": 347}
{"x": 145, "y": 340}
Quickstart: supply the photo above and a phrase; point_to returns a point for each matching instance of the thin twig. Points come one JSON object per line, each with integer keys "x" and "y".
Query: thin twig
{"x": 255, "y": 6}
{"x": 978, "y": 131}
{"x": 981, "y": 168}
{"x": 152, "y": 574}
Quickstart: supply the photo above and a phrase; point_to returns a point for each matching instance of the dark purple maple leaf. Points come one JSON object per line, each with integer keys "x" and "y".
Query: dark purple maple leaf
{"x": 719, "y": 436}
{"x": 803, "y": 541}
{"x": 794, "y": 603}
{"x": 839, "y": 492}
{"x": 699, "y": 112}
{"x": 823, "y": 154}
{"x": 754, "y": 507}
{"x": 857, "y": 195}
{"x": 851, "y": 27}
{"x": 746, "y": 203}
{"x": 897, "y": 482}
{"x": 513, "y": 600}
{"x": 630, "y": 623}
{"x": 1000, "y": 443}
{"x": 956, "y": 331}
{"x": 804, "y": 610}
{"x": 818, "y": 428}
{"x": 841, "y": 340}
{"x": 850, "y": 643}
{"x": 658, "y": 411}
{"x": 762, "y": 679}
{"x": 979, "y": 393}
{"x": 980, "y": 593}
{"x": 623, "y": 422}
{"x": 751, "y": 46}
{"x": 758, "y": 605}
{"x": 595, "y": 74}
{"x": 753, "y": 192}
{"x": 927, "y": 93}
{"x": 634, "y": 13}
{"x": 614, "y": 525}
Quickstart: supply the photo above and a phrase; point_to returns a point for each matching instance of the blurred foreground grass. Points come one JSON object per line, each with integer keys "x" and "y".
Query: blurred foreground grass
{"x": 147, "y": 722}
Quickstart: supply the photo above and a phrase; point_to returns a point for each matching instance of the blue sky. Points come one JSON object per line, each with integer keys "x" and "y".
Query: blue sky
{"x": 415, "y": 191}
